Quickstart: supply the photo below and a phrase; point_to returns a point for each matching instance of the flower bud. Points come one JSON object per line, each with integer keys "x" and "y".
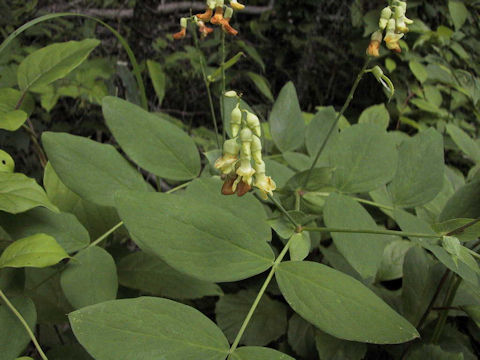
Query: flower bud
{"x": 228, "y": 13}
{"x": 246, "y": 135}
{"x": 256, "y": 148}
{"x": 236, "y": 5}
{"x": 226, "y": 163}
{"x": 231, "y": 147}
{"x": 374, "y": 46}
{"x": 231, "y": 94}
{"x": 236, "y": 120}
{"x": 254, "y": 123}
{"x": 386, "y": 13}
{"x": 259, "y": 167}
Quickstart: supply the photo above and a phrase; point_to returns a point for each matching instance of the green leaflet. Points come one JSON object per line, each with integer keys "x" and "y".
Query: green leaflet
{"x": 149, "y": 328}
{"x": 340, "y": 305}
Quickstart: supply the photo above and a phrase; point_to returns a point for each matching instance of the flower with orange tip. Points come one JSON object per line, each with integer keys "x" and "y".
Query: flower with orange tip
{"x": 203, "y": 29}
{"x": 374, "y": 46}
{"x": 206, "y": 16}
{"x": 181, "y": 34}
{"x": 217, "y": 19}
{"x": 226, "y": 22}
{"x": 236, "y": 5}
{"x": 391, "y": 40}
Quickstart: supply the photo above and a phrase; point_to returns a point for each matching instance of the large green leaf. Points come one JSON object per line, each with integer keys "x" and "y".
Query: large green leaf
{"x": 96, "y": 219}
{"x": 247, "y": 209}
{"x": 38, "y": 250}
{"x": 318, "y": 130}
{"x": 363, "y": 251}
{"x": 69, "y": 351}
{"x": 53, "y": 62}
{"x": 268, "y": 324}
{"x": 13, "y": 337}
{"x": 364, "y": 158}
{"x": 258, "y": 353}
{"x": 376, "y": 114}
{"x": 330, "y": 347}
{"x": 193, "y": 236}
{"x": 152, "y": 142}
{"x": 147, "y": 328}
{"x": 340, "y": 305}
{"x": 464, "y": 142}
{"x": 92, "y": 170}
{"x": 19, "y": 193}
{"x": 90, "y": 278}
{"x": 420, "y": 170}
{"x": 65, "y": 228}
{"x": 152, "y": 275}
{"x": 463, "y": 204}
{"x": 286, "y": 122}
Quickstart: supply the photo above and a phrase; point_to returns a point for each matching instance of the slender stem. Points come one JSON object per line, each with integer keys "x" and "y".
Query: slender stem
{"x": 297, "y": 201}
{"x": 285, "y": 212}
{"x": 360, "y": 200}
{"x": 259, "y": 297}
{"x": 179, "y": 187}
{"x": 379, "y": 232}
{"x": 337, "y": 119}
{"x": 222, "y": 99}
{"x": 203, "y": 66}
{"x": 104, "y": 236}
{"x": 25, "y": 325}
{"x": 452, "y": 291}
{"x": 38, "y": 148}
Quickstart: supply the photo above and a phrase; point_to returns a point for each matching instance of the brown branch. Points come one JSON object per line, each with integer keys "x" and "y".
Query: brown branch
{"x": 161, "y": 9}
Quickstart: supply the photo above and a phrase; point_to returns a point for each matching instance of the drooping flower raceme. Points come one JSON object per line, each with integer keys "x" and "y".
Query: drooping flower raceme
{"x": 394, "y": 22}
{"x": 216, "y": 13}
{"x": 242, "y": 164}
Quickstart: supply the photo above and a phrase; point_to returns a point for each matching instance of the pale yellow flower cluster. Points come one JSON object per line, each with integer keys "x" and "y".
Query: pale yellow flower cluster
{"x": 238, "y": 153}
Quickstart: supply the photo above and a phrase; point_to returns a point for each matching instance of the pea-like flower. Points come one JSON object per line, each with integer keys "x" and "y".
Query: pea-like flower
{"x": 236, "y": 120}
{"x": 181, "y": 34}
{"x": 375, "y": 41}
{"x": 226, "y": 164}
{"x": 263, "y": 182}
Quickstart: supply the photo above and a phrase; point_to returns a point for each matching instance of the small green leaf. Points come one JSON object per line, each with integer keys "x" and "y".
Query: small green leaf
{"x": 286, "y": 122}
{"x": 262, "y": 85}
{"x": 376, "y": 114}
{"x": 150, "y": 274}
{"x": 53, "y": 62}
{"x": 258, "y": 353}
{"x": 301, "y": 336}
{"x": 420, "y": 170}
{"x": 152, "y": 142}
{"x": 92, "y": 170}
{"x": 64, "y": 227}
{"x": 458, "y": 12}
{"x": 220, "y": 247}
{"x": 364, "y": 158}
{"x": 147, "y": 328}
{"x": 13, "y": 337}
{"x": 19, "y": 193}
{"x": 340, "y": 305}
{"x": 464, "y": 142}
{"x": 38, "y": 250}
{"x": 363, "y": 251}
{"x": 90, "y": 278}
{"x": 268, "y": 324}
{"x": 158, "y": 79}
{"x": 418, "y": 70}
{"x": 299, "y": 246}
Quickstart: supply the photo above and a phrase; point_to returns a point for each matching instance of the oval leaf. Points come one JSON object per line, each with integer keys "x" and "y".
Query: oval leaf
{"x": 286, "y": 122}
{"x": 152, "y": 142}
{"x": 90, "y": 278}
{"x": 147, "y": 328}
{"x": 92, "y": 170}
{"x": 38, "y": 250}
{"x": 340, "y": 305}
{"x": 19, "y": 193}
{"x": 193, "y": 236}
{"x": 53, "y": 62}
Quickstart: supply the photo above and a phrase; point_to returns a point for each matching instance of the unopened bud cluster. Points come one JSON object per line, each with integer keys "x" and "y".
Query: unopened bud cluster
{"x": 240, "y": 152}
{"x": 217, "y": 13}
{"x": 394, "y": 22}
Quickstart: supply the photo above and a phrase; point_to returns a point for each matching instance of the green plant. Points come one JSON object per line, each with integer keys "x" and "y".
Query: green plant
{"x": 353, "y": 206}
